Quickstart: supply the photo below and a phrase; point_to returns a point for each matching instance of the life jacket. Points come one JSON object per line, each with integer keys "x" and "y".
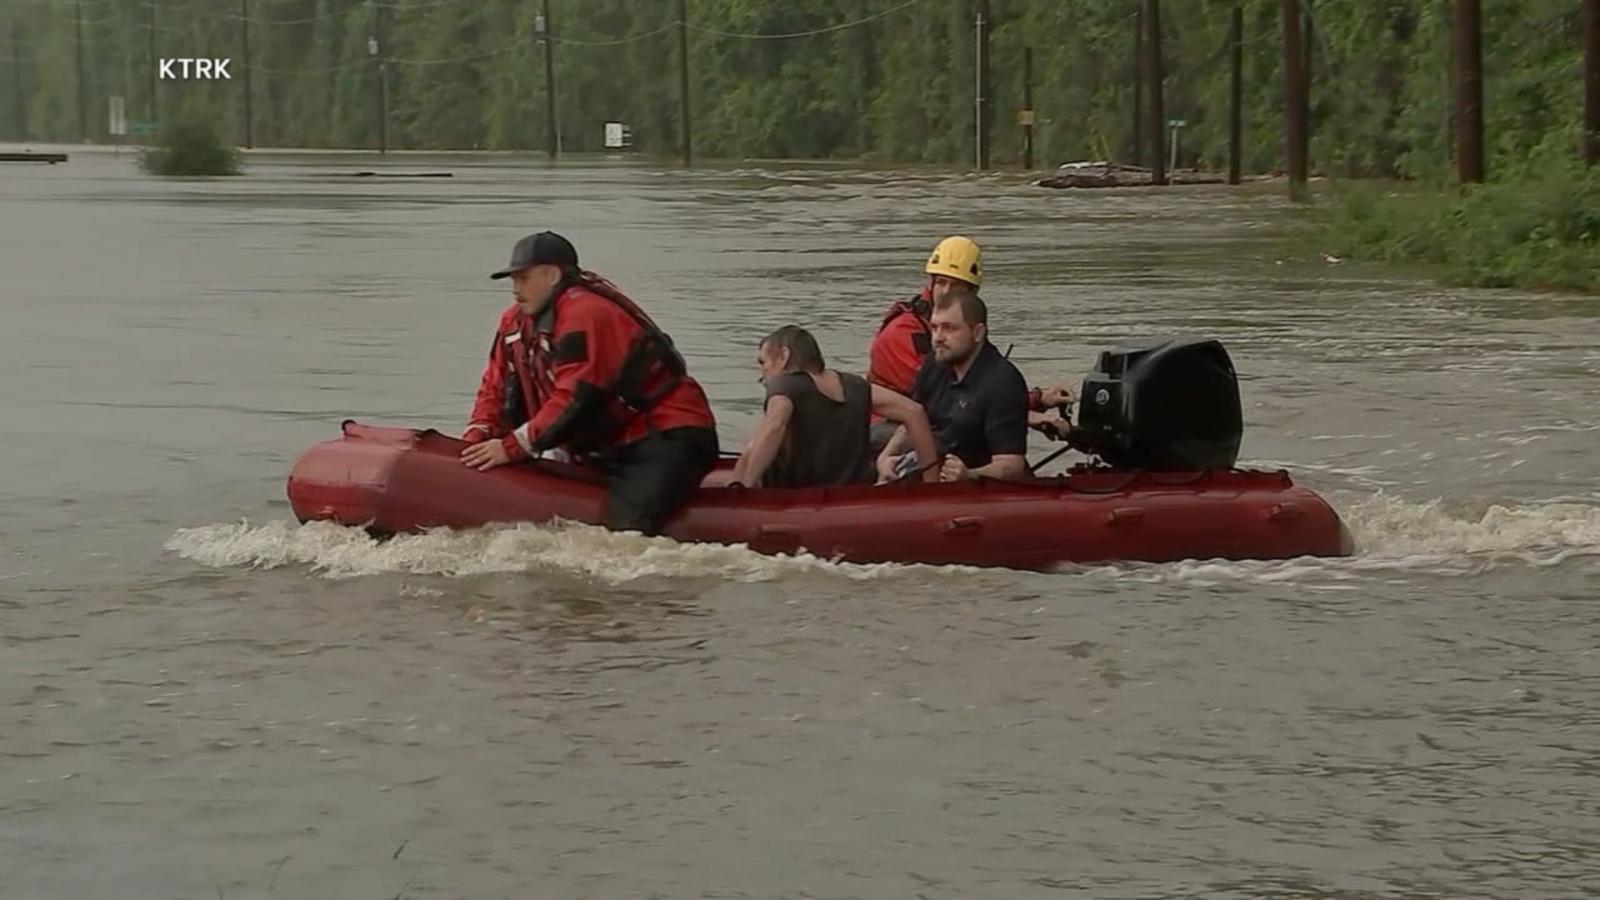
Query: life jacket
{"x": 903, "y": 340}
{"x": 651, "y": 369}
{"x": 532, "y": 383}
{"x": 917, "y": 306}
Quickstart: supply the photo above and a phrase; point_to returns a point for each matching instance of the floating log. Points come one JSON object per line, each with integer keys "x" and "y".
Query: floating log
{"x": 402, "y": 175}
{"x": 51, "y": 158}
{"x": 1115, "y": 175}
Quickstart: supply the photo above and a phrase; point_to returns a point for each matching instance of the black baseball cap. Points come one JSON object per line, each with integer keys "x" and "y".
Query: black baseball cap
{"x": 538, "y": 249}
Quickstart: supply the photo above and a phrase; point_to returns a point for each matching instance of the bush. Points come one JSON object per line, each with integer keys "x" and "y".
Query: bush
{"x": 190, "y": 147}
{"x": 1537, "y": 225}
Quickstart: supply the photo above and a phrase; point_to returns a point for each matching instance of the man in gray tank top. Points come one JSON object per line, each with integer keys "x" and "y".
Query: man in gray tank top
{"x": 815, "y": 424}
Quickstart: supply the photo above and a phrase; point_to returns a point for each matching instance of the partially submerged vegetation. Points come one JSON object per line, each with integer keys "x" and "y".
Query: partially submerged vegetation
{"x": 190, "y": 147}
{"x": 1536, "y": 226}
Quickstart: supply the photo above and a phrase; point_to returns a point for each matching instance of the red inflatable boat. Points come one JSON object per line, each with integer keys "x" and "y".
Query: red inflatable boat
{"x": 393, "y": 480}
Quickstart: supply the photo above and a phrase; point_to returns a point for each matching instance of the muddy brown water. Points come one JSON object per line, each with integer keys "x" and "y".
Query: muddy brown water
{"x": 201, "y": 698}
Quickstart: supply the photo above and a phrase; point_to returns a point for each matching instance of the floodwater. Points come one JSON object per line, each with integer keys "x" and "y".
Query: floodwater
{"x": 201, "y": 698}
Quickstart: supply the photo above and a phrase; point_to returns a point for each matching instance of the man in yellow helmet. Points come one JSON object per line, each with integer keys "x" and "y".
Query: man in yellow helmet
{"x": 904, "y": 336}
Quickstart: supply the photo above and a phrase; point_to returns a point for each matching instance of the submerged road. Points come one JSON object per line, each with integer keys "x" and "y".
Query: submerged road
{"x": 199, "y": 698}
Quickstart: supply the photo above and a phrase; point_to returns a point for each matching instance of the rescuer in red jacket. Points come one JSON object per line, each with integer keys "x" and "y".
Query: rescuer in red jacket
{"x": 578, "y": 365}
{"x": 904, "y": 337}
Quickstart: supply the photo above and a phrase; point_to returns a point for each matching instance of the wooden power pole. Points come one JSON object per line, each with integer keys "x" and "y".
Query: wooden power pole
{"x": 1591, "y": 81}
{"x": 1469, "y": 90}
{"x": 1155, "y": 113}
{"x": 1027, "y": 106}
{"x": 683, "y": 82}
{"x": 1236, "y": 95}
{"x": 549, "y": 83}
{"x": 1294, "y": 98}
{"x": 1138, "y": 88}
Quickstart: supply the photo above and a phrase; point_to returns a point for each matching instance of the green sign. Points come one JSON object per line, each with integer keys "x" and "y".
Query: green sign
{"x": 1176, "y": 123}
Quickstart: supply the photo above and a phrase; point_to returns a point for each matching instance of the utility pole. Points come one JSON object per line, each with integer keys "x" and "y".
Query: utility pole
{"x": 1591, "y": 81}
{"x": 1027, "y": 108}
{"x": 16, "y": 81}
{"x": 1308, "y": 48}
{"x": 249, "y": 119}
{"x": 1294, "y": 96}
{"x": 981, "y": 90}
{"x": 1469, "y": 90}
{"x": 683, "y": 82}
{"x": 155, "y": 62}
{"x": 1236, "y": 95}
{"x": 1138, "y": 88}
{"x": 544, "y": 29}
{"x": 375, "y": 50}
{"x": 83, "y": 97}
{"x": 1155, "y": 114}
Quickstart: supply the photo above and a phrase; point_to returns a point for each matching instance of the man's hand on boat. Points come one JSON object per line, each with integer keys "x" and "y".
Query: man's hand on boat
{"x": 486, "y": 455}
{"x": 954, "y": 470}
{"x": 1056, "y": 396}
{"x": 1053, "y": 427}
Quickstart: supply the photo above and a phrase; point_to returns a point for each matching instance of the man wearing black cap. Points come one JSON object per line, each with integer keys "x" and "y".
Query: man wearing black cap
{"x": 591, "y": 373}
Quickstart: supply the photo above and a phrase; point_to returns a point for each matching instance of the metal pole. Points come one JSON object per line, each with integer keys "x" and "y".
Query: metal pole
{"x": 1294, "y": 97}
{"x": 375, "y": 49}
{"x": 1155, "y": 114}
{"x": 155, "y": 62}
{"x": 83, "y": 97}
{"x": 985, "y": 105}
{"x": 684, "y": 139}
{"x": 383, "y": 106}
{"x": 549, "y": 86}
{"x": 1469, "y": 90}
{"x": 977, "y": 86}
{"x": 16, "y": 81}
{"x": 249, "y": 118}
{"x": 1236, "y": 96}
{"x": 1591, "y": 81}
{"x": 1027, "y": 104}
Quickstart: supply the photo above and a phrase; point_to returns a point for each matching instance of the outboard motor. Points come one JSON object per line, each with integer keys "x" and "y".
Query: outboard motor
{"x": 1169, "y": 406}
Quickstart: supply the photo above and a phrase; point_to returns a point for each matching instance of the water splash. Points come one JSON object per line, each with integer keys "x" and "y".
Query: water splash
{"x": 336, "y": 551}
{"x": 1392, "y": 535}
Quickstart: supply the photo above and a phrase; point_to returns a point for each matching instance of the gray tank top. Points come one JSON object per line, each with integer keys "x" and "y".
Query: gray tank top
{"x": 827, "y": 444}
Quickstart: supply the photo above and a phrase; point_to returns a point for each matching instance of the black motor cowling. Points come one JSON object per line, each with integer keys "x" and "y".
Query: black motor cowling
{"x": 1168, "y": 406}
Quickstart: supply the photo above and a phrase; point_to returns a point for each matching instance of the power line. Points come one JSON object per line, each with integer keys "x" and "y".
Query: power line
{"x": 350, "y": 64}
{"x": 469, "y": 58}
{"x": 627, "y": 40}
{"x": 799, "y": 34}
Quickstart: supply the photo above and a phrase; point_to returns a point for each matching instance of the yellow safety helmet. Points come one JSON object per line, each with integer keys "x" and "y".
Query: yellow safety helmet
{"x": 957, "y": 257}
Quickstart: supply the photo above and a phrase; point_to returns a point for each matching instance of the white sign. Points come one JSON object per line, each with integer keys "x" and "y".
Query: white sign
{"x": 618, "y": 136}
{"x": 119, "y": 117}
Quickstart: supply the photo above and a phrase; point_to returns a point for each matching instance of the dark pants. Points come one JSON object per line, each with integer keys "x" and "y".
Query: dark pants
{"x": 649, "y": 479}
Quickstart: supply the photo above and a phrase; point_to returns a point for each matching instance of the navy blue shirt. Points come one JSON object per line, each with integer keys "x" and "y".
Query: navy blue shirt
{"x": 981, "y": 416}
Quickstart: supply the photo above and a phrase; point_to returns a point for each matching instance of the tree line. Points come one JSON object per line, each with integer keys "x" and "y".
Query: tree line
{"x": 884, "y": 80}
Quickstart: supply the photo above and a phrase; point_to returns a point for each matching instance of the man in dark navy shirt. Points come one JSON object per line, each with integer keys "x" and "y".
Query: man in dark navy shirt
{"x": 976, "y": 399}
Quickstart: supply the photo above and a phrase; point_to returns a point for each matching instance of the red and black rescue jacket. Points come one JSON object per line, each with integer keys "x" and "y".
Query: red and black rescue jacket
{"x": 614, "y": 375}
{"x": 903, "y": 339}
